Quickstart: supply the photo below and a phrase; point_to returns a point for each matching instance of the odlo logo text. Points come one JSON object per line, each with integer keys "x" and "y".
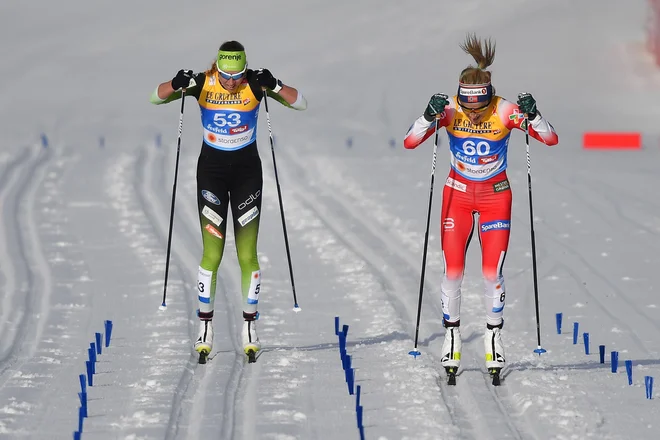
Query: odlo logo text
{"x": 249, "y": 200}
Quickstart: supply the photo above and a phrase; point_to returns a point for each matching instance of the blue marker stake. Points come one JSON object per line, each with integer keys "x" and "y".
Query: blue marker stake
{"x": 97, "y": 336}
{"x": 586, "y": 343}
{"x": 44, "y": 140}
{"x": 108, "y": 332}
{"x": 359, "y": 416}
{"x": 648, "y": 384}
{"x": 80, "y": 419}
{"x": 575, "y": 332}
{"x": 358, "y": 391}
{"x": 90, "y": 374}
{"x": 83, "y": 399}
{"x": 558, "y": 319}
{"x": 349, "y": 381}
{"x": 346, "y": 362}
{"x": 629, "y": 371}
{"x": 158, "y": 140}
{"x": 76, "y": 435}
{"x": 392, "y": 142}
{"x": 91, "y": 362}
{"x": 342, "y": 345}
{"x": 83, "y": 383}
{"x": 337, "y": 325}
{"x": 614, "y": 361}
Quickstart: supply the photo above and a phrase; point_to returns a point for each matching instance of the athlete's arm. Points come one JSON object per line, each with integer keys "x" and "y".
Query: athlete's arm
{"x": 288, "y": 96}
{"x": 165, "y": 93}
{"x": 539, "y": 128}
{"x": 422, "y": 128}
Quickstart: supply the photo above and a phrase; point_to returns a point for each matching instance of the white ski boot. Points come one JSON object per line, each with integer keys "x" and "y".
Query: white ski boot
{"x": 204, "y": 342}
{"x": 493, "y": 347}
{"x": 251, "y": 344}
{"x": 451, "y": 351}
{"x": 451, "y": 348}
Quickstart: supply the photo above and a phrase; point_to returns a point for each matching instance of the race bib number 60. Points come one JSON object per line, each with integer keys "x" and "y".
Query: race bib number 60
{"x": 481, "y": 148}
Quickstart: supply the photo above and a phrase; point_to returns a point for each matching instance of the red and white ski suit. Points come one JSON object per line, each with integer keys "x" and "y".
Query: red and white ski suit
{"x": 477, "y": 183}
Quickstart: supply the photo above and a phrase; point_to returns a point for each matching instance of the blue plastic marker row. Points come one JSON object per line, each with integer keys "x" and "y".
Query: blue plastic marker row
{"x": 45, "y": 143}
{"x": 93, "y": 351}
{"x": 614, "y": 356}
{"x": 349, "y": 373}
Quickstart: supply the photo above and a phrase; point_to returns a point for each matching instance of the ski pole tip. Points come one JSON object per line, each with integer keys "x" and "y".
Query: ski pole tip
{"x": 296, "y": 308}
{"x": 162, "y": 307}
{"x": 415, "y": 353}
{"x": 540, "y": 350}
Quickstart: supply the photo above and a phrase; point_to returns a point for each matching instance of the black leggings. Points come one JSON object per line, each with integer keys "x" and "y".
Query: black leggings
{"x": 227, "y": 178}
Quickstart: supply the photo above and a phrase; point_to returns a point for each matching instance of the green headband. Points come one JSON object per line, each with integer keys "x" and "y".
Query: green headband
{"x": 231, "y": 61}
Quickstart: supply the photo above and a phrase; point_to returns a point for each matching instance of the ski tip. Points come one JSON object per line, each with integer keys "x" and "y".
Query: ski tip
{"x": 296, "y": 308}
{"x": 162, "y": 307}
{"x": 540, "y": 351}
{"x": 415, "y": 353}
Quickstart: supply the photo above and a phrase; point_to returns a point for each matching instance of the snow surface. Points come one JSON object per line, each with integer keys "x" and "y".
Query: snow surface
{"x": 83, "y": 231}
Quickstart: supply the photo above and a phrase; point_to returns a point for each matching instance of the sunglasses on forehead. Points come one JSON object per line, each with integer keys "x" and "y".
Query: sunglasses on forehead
{"x": 234, "y": 76}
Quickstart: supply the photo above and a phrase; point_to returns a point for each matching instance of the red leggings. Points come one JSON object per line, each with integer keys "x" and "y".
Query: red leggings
{"x": 461, "y": 199}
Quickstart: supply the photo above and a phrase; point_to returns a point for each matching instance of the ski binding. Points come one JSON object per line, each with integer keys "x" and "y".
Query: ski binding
{"x": 451, "y": 375}
{"x": 495, "y": 376}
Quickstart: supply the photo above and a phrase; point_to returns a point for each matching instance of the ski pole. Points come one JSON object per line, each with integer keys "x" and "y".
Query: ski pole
{"x": 415, "y": 352}
{"x": 538, "y": 350}
{"x": 163, "y": 306}
{"x": 296, "y": 308}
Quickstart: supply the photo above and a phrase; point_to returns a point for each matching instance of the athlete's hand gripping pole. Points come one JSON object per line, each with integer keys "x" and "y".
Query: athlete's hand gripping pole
{"x": 163, "y": 306}
{"x": 296, "y": 308}
{"x": 538, "y": 350}
{"x": 415, "y": 352}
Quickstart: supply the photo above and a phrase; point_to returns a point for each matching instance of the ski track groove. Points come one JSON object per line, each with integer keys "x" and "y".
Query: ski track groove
{"x": 192, "y": 388}
{"x": 227, "y": 283}
{"x": 143, "y": 168}
{"x": 326, "y": 203}
{"x": 7, "y": 178}
{"x": 25, "y": 195}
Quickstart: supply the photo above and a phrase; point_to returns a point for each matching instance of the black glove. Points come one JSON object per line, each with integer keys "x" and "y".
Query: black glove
{"x": 266, "y": 79}
{"x": 527, "y": 105}
{"x": 182, "y": 79}
{"x": 436, "y": 105}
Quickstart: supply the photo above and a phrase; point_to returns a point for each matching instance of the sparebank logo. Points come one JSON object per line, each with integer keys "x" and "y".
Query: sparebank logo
{"x": 496, "y": 225}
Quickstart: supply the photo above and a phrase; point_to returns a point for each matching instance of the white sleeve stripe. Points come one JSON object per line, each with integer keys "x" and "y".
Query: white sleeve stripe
{"x": 300, "y": 102}
{"x": 155, "y": 99}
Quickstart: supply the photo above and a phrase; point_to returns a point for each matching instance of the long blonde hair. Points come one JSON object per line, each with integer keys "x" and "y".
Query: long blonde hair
{"x": 483, "y": 53}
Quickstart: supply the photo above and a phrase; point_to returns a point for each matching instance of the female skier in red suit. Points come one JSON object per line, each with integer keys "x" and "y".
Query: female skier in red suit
{"x": 479, "y": 125}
